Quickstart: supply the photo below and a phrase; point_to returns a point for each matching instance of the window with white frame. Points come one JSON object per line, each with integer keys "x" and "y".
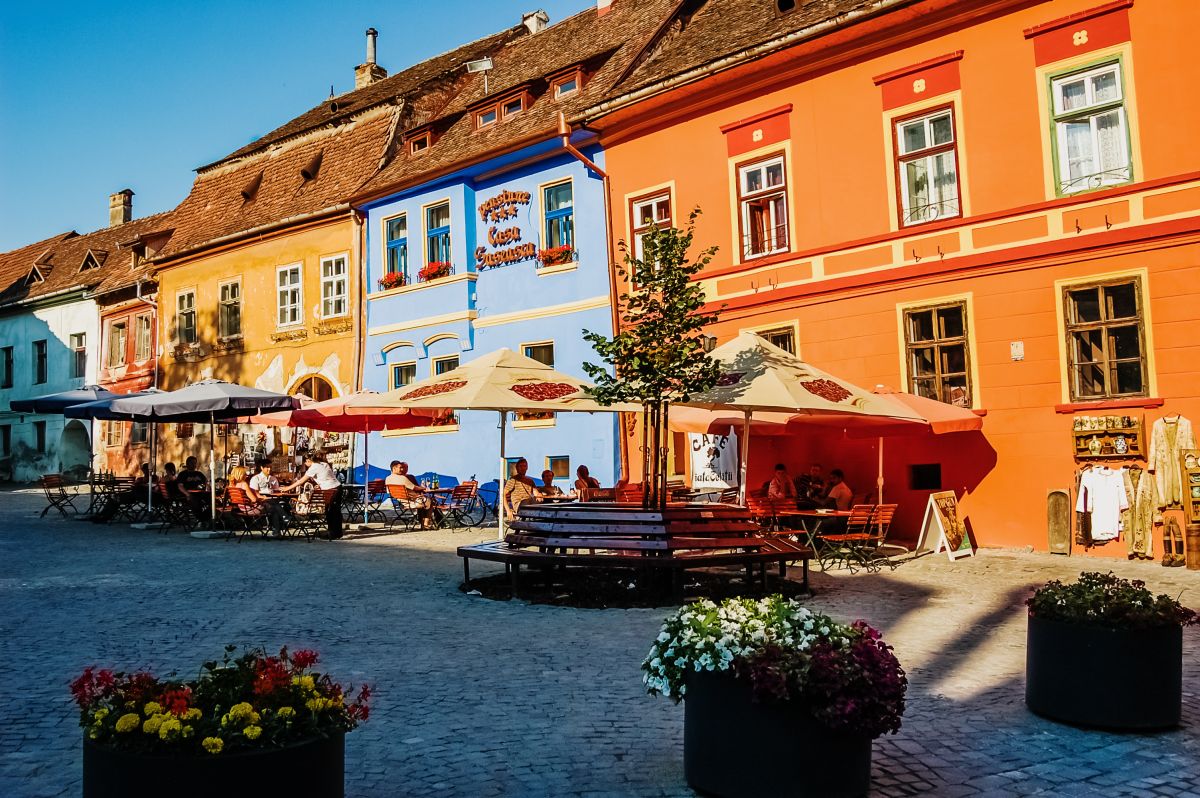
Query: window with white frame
{"x": 443, "y": 364}
{"x": 762, "y": 205}
{"x": 927, "y": 165}
{"x": 558, "y": 207}
{"x": 139, "y": 433}
{"x": 290, "y": 295}
{"x": 649, "y": 213}
{"x": 782, "y": 337}
{"x": 118, "y": 333}
{"x": 143, "y": 343}
{"x": 403, "y": 374}
{"x": 185, "y": 317}
{"x": 114, "y": 433}
{"x": 396, "y": 233}
{"x": 229, "y": 313}
{"x": 437, "y": 234}
{"x": 333, "y": 287}
{"x": 566, "y": 87}
{"x": 78, "y": 355}
{"x": 1090, "y": 129}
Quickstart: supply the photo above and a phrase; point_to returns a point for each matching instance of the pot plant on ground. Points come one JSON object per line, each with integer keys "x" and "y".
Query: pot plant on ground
{"x": 267, "y": 724}
{"x": 1105, "y": 652}
{"x": 778, "y": 700}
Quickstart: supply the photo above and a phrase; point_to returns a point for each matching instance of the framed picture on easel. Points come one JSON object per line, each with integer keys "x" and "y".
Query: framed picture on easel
{"x": 942, "y": 529}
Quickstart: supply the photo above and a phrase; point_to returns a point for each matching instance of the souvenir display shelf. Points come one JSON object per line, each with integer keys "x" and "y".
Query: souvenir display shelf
{"x": 1098, "y": 438}
{"x": 1190, "y": 466}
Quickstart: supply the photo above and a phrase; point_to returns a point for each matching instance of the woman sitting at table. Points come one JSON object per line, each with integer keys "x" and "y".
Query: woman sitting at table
{"x": 585, "y": 481}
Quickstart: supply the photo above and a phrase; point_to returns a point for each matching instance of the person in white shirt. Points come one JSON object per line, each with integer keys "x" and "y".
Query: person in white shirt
{"x": 420, "y": 503}
{"x": 840, "y": 496}
{"x": 321, "y": 475}
{"x": 279, "y": 514}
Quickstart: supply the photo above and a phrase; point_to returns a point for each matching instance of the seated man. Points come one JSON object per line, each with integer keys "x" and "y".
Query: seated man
{"x": 518, "y": 489}
{"x": 840, "y": 497}
{"x": 547, "y": 488}
{"x": 419, "y": 501}
{"x": 780, "y": 486}
{"x": 266, "y": 487}
{"x": 810, "y": 488}
{"x": 194, "y": 486}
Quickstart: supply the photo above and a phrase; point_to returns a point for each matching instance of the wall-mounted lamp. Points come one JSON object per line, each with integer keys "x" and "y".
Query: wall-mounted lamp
{"x": 709, "y": 342}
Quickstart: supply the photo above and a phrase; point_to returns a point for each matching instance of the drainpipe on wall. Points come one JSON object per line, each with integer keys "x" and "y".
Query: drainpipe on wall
{"x": 360, "y": 330}
{"x": 564, "y": 132}
{"x": 157, "y": 325}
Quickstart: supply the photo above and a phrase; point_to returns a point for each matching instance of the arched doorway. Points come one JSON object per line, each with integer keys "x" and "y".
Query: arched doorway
{"x": 316, "y": 388}
{"x": 75, "y": 450}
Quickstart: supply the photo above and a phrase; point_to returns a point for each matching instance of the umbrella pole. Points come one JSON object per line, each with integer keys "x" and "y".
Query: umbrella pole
{"x": 744, "y": 489}
{"x": 212, "y": 469}
{"x": 879, "y": 479}
{"x": 503, "y": 476}
{"x": 150, "y": 481}
{"x": 366, "y": 469}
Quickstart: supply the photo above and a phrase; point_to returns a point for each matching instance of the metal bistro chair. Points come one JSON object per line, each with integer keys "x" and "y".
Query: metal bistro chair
{"x": 245, "y": 513}
{"x": 465, "y": 507}
{"x": 375, "y": 497}
{"x": 405, "y": 507}
{"x": 853, "y": 547}
{"x": 56, "y": 495}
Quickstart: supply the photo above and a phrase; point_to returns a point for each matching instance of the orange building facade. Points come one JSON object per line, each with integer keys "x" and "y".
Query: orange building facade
{"x": 996, "y": 204}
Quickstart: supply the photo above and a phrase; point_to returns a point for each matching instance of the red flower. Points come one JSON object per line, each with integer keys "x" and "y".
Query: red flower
{"x": 304, "y": 658}
{"x": 177, "y": 701}
{"x": 270, "y": 675}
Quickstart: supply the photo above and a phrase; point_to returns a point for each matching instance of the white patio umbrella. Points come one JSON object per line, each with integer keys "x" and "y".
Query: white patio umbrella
{"x": 502, "y": 381}
{"x": 756, "y": 376}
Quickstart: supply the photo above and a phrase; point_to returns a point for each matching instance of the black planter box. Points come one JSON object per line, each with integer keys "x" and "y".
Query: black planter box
{"x": 735, "y": 748}
{"x": 315, "y": 768}
{"x": 1104, "y": 678}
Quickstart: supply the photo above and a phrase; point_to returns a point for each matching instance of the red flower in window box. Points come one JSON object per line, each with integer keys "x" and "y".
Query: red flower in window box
{"x": 393, "y": 280}
{"x": 434, "y": 270}
{"x": 554, "y": 256}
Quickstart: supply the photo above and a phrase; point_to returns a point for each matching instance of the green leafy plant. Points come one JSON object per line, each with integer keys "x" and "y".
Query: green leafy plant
{"x": 658, "y": 354}
{"x": 843, "y": 675}
{"x": 1108, "y": 601}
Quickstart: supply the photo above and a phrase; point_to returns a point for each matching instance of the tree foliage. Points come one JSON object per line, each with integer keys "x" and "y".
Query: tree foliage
{"x": 658, "y": 355}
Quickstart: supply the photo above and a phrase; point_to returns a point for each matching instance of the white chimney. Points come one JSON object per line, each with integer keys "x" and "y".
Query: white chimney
{"x": 369, "y": 72}
{"x": 535, "y": 21}
{"x": 603, "y": 7}
{"x": 120, "y": 207}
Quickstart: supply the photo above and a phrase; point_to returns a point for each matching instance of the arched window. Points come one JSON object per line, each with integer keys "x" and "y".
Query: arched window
{"x": 315, "y": 388}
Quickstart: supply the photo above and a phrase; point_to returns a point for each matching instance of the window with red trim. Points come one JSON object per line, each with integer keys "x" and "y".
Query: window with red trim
{"x": 927, "y": 167}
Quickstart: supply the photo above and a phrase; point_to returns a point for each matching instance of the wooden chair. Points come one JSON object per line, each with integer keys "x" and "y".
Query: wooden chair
{"x": 464, "y": 506}
{"x": 171, "y": 510}
{"x": 597, "y": 495}
{"x": 728, "y": 496}
{"x": 309, "y": 512}
{"x": 406, "y": 507}
{"x": 630, "y": 494}
{"x": 852, "y": 547}
{"x": 56, "y": 495}
{"x": 377, "y": 494}
{"x": 244, "y": 513}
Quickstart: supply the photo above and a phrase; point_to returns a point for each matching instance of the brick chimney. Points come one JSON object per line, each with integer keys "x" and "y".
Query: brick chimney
{"x": 120, "y": 207}
{"x": 370, "y": 72}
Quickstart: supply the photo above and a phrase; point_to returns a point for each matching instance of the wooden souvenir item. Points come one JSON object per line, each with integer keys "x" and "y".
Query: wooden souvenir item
{"x": 1189, "y": 468}
{"x": 1058, "y": 521}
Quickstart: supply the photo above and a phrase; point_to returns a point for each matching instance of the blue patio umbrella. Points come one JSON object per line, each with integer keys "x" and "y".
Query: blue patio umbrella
{"x": 101, "y": 410}
{"x": 57, "y": 402}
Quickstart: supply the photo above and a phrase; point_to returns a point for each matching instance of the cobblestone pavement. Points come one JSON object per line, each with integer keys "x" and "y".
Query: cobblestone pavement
{"x": 480, "y": 698}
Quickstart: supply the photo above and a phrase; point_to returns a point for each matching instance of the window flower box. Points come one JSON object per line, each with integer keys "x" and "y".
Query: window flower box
{"x": 557, "y": 256}
{"x": 393, "y": 280}
{"x": 434, "y": 270}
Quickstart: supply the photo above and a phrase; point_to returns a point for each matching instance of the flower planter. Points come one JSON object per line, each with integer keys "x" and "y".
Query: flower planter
{"x": 735, "y": 748}
{"x": 315, "y": 768}
{"x": 1069, "y": 669}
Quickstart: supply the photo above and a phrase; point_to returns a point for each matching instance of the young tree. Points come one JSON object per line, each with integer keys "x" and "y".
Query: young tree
{"x": 658, "y": 354}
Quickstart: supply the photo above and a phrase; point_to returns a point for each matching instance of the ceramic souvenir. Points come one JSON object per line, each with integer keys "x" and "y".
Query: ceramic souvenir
{"x": 1094, "y": 445}
{"x": 1120, "y": 446}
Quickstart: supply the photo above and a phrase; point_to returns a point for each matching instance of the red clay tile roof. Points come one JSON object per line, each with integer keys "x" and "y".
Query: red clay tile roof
{"x": 216, "y": 208}
{"x": 607, "y": 43}
{"x": 58, "y": 260}
{"x": 415, "y": 79}
{"x": 704, "y": 31}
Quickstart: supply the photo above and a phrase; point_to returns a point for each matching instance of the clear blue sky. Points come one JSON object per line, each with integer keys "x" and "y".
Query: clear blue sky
{"x": 100, "y": 96}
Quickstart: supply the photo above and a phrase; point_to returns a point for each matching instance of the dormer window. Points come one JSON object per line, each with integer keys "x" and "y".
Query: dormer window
{"x": 418, "y": 144}
{"x": 513, "y": 107}
{"x": 567, "y": 82}
{"x": 485, "y": 118}
{"x": 34, "y": 277}
{"x": 566, "y": 87}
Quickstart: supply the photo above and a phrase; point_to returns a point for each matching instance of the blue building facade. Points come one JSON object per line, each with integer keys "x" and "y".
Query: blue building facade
{"x": 509, "y": 252}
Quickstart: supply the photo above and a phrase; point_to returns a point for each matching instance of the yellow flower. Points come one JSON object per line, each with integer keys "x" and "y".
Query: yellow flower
{"x": 306, "y": 682}
{"x": 169, "y": 729}
{"x": 214, "y": 745}
{"x": 153, "y": 723}
{"x": 128, "y": 722}
{"x": 153, "y": 708}
{"x": 187, "y": 732}
{"x": 252, "y": 732}
{"x": 286, "y": 712}
{"x": 101, "y": 714}
{"x": 318, "y": 704}
{"x": 93, "y": 733}
{"x": 193, "y": 714}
